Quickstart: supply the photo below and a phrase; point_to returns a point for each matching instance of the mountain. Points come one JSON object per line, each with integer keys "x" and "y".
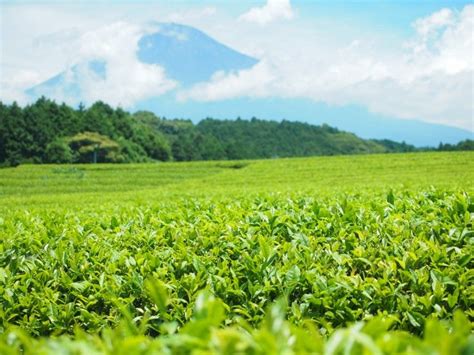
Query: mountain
{"x": 189, "y": 56}
{"x": 69, "y": 82}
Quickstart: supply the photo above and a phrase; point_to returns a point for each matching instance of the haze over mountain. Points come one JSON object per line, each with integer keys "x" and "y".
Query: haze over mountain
{"x": 190, "y": 57}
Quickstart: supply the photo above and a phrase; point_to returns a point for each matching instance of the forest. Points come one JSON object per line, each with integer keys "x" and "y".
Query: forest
{"x": 48, "y": 132}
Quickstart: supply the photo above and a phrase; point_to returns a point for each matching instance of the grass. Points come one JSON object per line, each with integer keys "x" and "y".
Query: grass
{"x": 346, "y": 254}
{"x": 33, "y": 186}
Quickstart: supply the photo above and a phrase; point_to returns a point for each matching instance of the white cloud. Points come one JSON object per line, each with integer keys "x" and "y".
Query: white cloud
{"x": 439, "y": 97}
{"x": 253, "y": 82}
{"x": 192, "y": 15}
{"x": 56, "y": 37}
{"x": 273, "y": 10}
{"x": 126, "y": 79}
{"x": 434, "y": 81}
{"x": 430, "y": 77}
{"x": 425, "y": 26}
{"x": 12, "y": 90}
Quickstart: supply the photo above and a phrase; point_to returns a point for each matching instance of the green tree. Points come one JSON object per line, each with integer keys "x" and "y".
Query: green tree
{"x": 467, "y": 144}
{"x": 3, "y": 114}
{"x": 154, "y": 143}
{"x": 90, "y": 147}
{"x": 14, "y": 135}
{"x": 58, "y": 152}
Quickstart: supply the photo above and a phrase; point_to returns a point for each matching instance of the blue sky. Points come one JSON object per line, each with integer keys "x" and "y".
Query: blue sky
{"x": 394, "y": 58}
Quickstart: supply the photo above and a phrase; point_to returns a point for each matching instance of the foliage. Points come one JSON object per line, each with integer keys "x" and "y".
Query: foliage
{"x": 392, "y": 146}
{"x": 204, "y": 333}
{"x": 32, "y": 186}
{"x": 339, "y": 260}
{"x": 33, "y": 134}
{"x": 467, "y": 144}
{"x": 242, "y": 139}
{"x": 93, "y": 147}
{"x": 319, "y": 255}
{"x": 26, "y": 133}
{"x": 58, "y": 152}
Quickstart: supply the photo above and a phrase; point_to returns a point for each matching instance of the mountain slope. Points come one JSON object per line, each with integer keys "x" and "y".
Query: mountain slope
{"x": 69, "y": 83}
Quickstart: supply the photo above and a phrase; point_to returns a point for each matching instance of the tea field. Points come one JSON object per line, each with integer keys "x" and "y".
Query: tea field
{"x": 330, "y": 255}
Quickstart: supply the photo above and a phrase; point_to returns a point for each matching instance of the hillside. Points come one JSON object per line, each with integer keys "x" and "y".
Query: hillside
{"x": 46, "y": 132}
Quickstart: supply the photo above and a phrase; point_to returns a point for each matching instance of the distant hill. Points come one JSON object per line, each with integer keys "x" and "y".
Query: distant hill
{"x": 46, "y": 132}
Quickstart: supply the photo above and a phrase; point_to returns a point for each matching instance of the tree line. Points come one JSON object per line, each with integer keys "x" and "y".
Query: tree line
{"x": 48, "y": 132}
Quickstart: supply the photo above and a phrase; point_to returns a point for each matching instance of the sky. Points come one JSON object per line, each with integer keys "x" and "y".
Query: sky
{"x": 404, "y": 59}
